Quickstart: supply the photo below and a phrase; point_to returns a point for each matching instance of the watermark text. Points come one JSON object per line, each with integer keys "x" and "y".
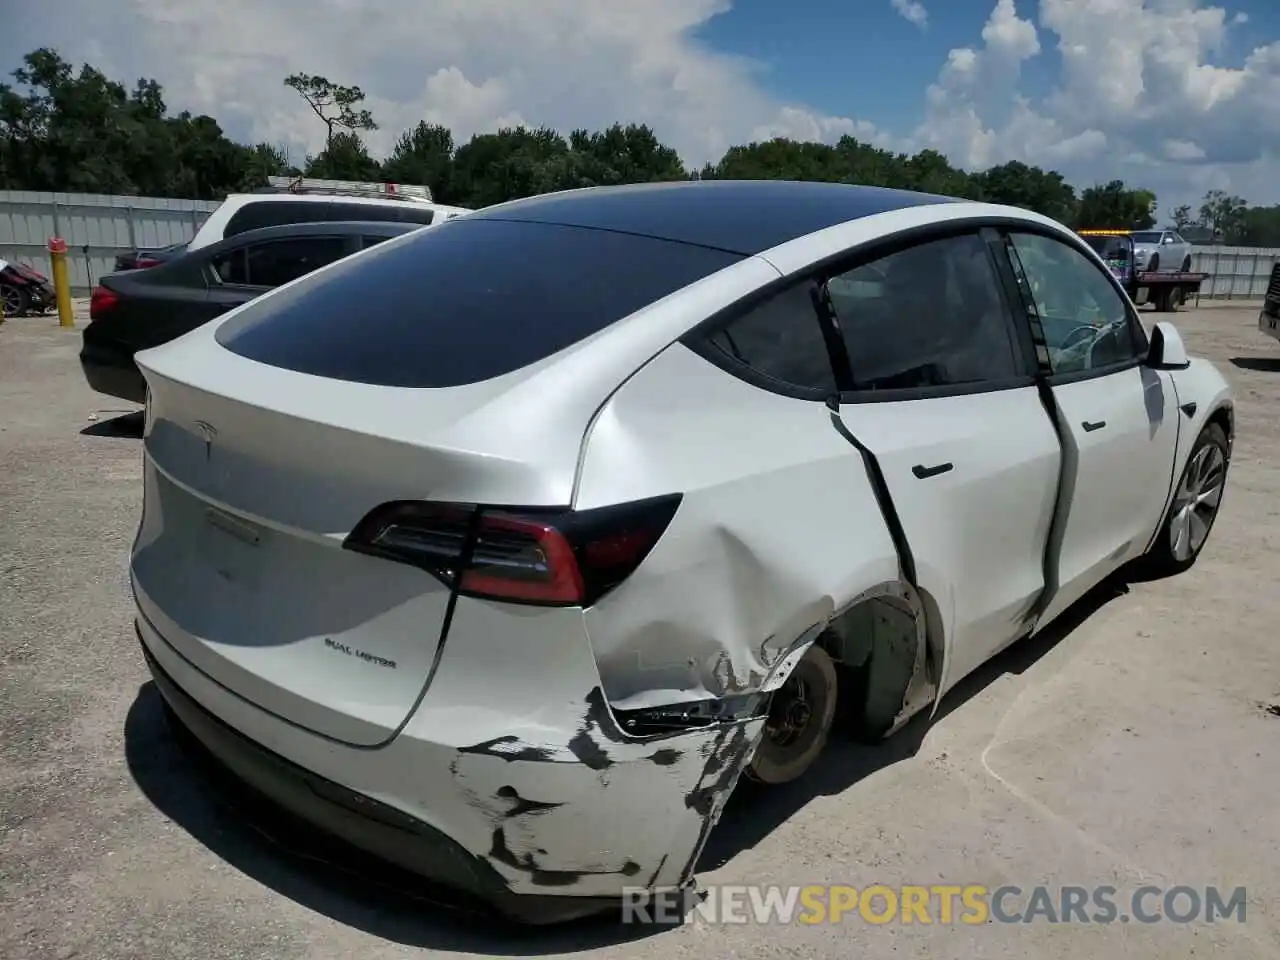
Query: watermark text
{"x": 937, "y": 904}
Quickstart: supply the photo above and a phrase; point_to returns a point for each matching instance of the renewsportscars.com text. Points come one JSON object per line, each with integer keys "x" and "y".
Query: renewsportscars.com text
{"x": 944, "y": 904}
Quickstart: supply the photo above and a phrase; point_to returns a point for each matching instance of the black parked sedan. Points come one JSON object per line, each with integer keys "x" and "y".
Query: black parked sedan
{"x": 140, "y": 309}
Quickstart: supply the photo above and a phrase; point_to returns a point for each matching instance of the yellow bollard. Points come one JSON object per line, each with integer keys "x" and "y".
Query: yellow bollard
{"x": 61, "y": 282}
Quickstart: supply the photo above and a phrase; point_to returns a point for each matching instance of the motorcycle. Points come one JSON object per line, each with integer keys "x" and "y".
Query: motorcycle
{"x": 24, "y": 290}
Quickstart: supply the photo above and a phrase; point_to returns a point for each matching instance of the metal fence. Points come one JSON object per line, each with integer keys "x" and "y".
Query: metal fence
{"x": 1235, "y": 273}
{"x": 95, "y": 226}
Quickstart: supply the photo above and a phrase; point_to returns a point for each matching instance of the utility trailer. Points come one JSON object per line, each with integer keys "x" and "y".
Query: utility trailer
{"x": 1166, "y": 289}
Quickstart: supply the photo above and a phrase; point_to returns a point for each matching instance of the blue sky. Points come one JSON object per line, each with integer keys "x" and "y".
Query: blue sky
{"x": 868, "y": 60}
{"x": 861, "y": 59}
{"x": 1180, "y": 96}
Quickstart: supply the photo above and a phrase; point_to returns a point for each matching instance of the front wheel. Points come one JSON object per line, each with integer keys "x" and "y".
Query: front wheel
{"x": 801, "y": 713}
{"x": 1195, "y": 505}
{"x": 1154, "y": 265}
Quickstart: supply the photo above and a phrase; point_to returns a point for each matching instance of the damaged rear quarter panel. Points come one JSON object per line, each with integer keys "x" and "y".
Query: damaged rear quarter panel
{"x": 778, "y": 529}
{"x": 557, "y": 798}
{"x": 630, "y": 813}
{"x": 515, "y": 756}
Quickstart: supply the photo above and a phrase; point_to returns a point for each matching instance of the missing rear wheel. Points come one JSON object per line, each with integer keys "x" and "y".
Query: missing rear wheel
{"x": 801, "y": 713}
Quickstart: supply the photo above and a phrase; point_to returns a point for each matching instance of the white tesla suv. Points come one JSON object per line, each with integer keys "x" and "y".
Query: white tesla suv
{"x": 502, "y": 549}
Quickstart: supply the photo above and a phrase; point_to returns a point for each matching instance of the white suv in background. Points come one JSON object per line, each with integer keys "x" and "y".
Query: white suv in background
{"x": 249, "y": 211}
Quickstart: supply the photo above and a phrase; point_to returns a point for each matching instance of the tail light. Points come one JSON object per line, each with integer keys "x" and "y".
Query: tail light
{"x": 533, "y": 556}
{"x": 142, "y": 263}
{"x": 102, "y": 301}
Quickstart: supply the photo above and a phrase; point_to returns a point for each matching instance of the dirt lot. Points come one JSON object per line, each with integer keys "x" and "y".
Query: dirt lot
{"x": 1139, "y": 744}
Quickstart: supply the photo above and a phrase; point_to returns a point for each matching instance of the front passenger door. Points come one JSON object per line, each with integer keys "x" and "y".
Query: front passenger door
{"x": 1119, "y": 418}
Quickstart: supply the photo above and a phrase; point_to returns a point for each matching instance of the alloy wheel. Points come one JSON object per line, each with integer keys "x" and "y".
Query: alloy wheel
{"x": 1196, "y": 502}
{"x": 11, "y": 298}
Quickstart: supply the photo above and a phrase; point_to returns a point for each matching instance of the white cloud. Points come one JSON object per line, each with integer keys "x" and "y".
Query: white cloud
{"x": 473, "y": 65}
{"x": 1183, "y": 150}
{"x": 1166, "y": 93}
{"x": 976, "y": 91}
{"x": 1009, "y": 37}
{"x": 1143, "y": 95}
{"x": 912, "y": 11}
{"x": 797, "y": 123}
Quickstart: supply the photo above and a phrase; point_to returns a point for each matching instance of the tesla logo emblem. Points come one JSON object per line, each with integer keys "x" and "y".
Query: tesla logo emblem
{"x": 207, "y": 431}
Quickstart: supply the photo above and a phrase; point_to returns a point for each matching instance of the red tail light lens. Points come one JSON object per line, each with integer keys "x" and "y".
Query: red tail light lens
{"x": 561, "y": 558}
{"x": 102, "y": 301}
{"x": 143, "y": 262}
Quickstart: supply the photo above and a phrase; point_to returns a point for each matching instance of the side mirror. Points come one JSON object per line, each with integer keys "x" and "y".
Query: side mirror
{"x": 1167, "y": 351}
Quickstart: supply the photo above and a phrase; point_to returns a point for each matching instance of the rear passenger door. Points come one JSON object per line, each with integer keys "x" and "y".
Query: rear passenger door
{"x": 944, "y": 397}
{"x": 246, "y": 272}
{"x": 1119, "y": 417}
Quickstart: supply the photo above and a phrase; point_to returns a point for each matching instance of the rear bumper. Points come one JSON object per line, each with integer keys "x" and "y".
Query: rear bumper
{"x": 367, "y": 826}
{"x": 111, "y": 370}
{"x": 540, "y": 829}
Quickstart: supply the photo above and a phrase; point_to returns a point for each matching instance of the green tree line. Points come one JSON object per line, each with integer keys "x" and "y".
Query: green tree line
{"x": 77, "y": 130}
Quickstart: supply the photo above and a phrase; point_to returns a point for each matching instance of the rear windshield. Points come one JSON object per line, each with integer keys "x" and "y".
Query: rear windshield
{"x": 272, "y": 213}
{"x": 403, "y": 211}
{"x": 277, "y": 213}
{"x": 468, "y": 300}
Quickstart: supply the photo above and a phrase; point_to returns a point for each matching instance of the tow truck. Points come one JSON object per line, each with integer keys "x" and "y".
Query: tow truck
{"x": 1167, "y": 289}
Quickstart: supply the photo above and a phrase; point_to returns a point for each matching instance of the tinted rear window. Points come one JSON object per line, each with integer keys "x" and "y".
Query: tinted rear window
{"x": 277, "y": 213}
{"x": 399, "y": 212}
{"x": 465, "y": 301}
{"x": 270, "y": 213}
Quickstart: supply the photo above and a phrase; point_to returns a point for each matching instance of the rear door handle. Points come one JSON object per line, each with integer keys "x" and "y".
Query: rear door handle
{"x": 924, "y": 473}
{"x": 1092, "y": 425}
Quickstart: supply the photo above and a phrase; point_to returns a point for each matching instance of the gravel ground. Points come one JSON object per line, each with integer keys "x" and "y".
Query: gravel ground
{"x": 1137, "y": 744}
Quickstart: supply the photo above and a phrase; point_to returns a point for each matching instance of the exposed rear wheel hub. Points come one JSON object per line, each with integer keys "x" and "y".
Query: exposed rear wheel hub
{"x": 790, "y": 713}
{"x": 801, "y": 712}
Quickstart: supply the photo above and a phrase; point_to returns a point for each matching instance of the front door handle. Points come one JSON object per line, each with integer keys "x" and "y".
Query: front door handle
{"x": 924, "y": 473}
{"x": 1092, "y": 425}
